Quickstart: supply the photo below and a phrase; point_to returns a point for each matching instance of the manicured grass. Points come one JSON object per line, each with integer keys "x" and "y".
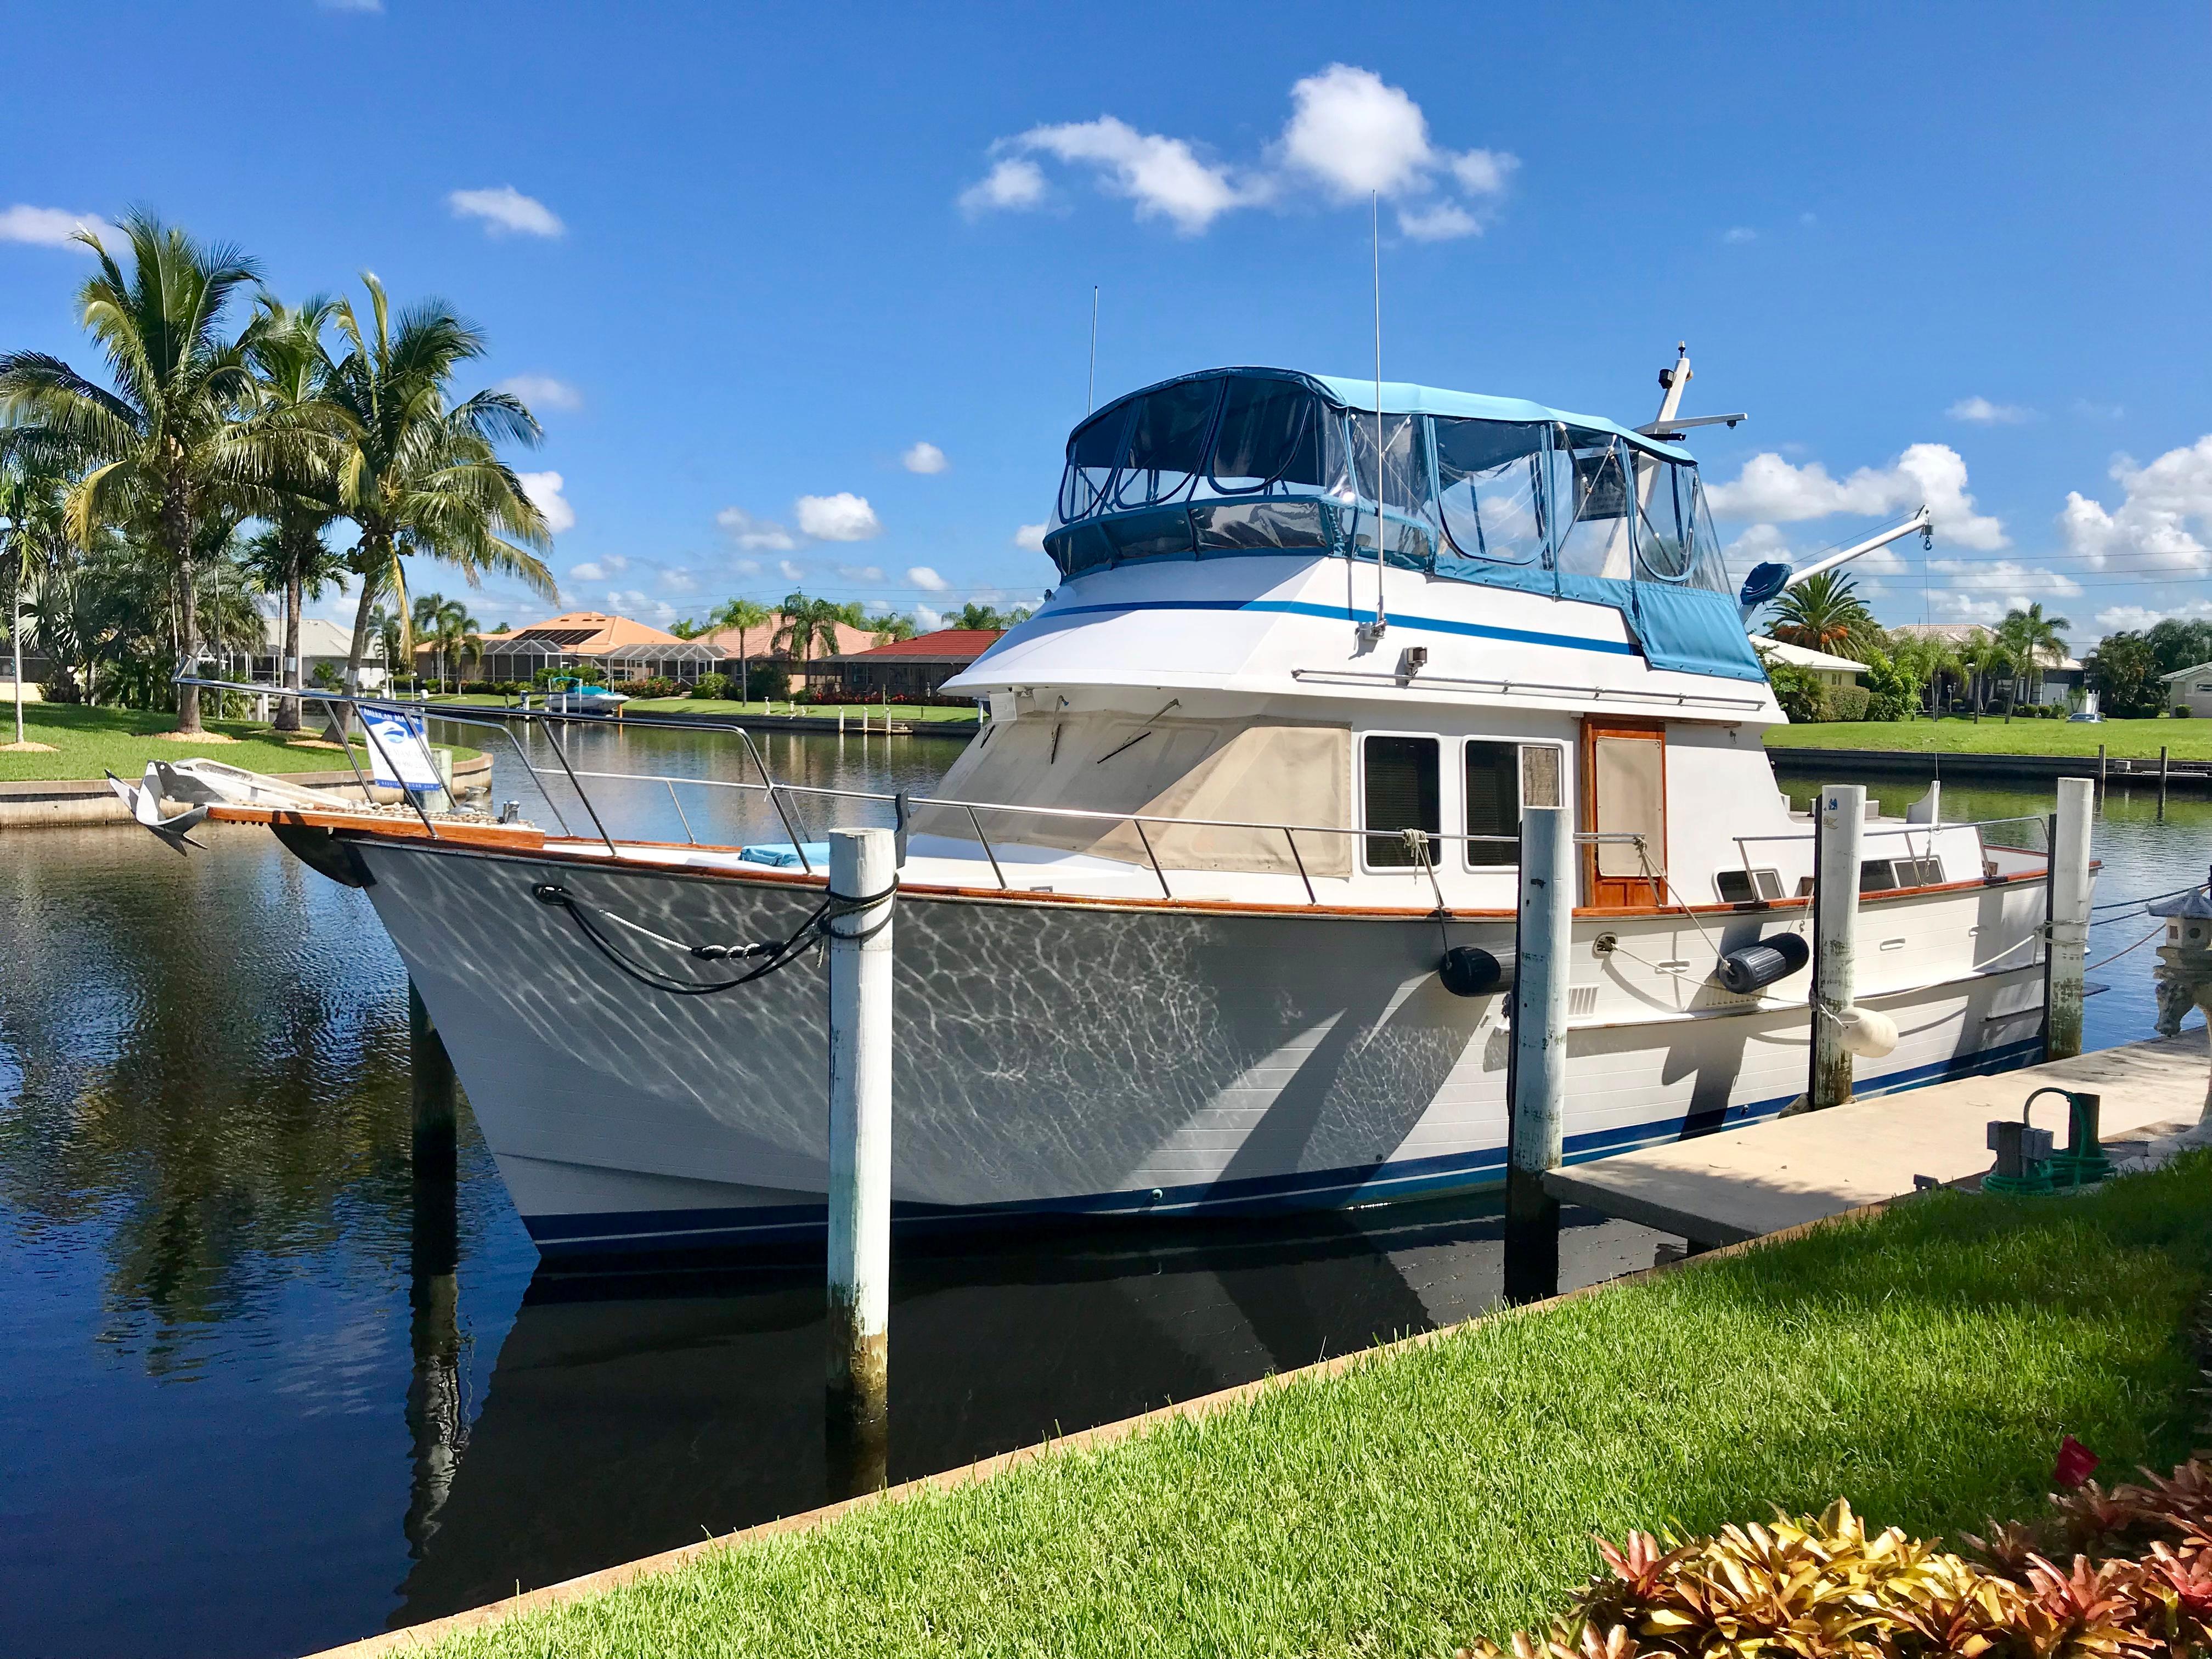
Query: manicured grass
{"x": 88, "y": 741}
{"x": 1923, "y": 1364}
{"x": 2188, "y": 739}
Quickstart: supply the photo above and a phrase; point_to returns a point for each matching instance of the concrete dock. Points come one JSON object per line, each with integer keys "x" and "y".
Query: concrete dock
{"x": 1741, "y": 1183}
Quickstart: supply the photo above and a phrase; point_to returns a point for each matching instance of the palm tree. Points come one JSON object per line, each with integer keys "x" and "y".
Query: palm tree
{"x": 421, "y": 631}
{"x": 32, "y": 502}
{"x": 2032, "y": 637}
{"x": 1825, "y": 613}
{"x": 416, "y": 476}
{"x": 807, "y": 624}
{"x": 455, "y": 631}
{"x": 1983, "y": 657}
{"x": 183, "y": 430}
{"x": 745, "y": 615}
{"x": 889, "y": 630}
{"x": 289, "y": 360}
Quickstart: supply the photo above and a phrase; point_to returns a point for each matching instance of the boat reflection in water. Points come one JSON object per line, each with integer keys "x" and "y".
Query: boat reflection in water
{"x": 633, "y": 1412}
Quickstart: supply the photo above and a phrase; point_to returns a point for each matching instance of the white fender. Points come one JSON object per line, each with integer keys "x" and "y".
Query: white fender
{"x": 1868, "y": 1033}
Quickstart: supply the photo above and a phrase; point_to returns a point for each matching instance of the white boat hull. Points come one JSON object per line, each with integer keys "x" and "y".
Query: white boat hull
{"x": 1113, "y": 1059}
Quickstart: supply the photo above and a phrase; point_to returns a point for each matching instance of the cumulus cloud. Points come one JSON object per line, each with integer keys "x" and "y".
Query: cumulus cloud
{"x": 542, "y": 392}
{"x": 350, "y": 5}
{"x": 679, "y": 580}
{"x": 2163, "y": 508}
{"x": 928, "y": 580}
{"x": 843, "y": 517}
{"x": 1983, "y": 412}
{"x": 589, "y": 571}
{"x": 1350, "y": 133}
{"x": 1031, "y": 536}
{"x": 926, "y": 620}
{"x": 1013, "y": 185}
{"x": 1737, "y": 235}
{"x": 923, "y": 457}
{"x": 1773, "y": 490}
{"x": 789, "y": 571}
{"x": 45, "y": 227}
{"x": 2018, "y": 580}
{"x": 2139, "y": 617}
{"x": 505, "y": 210}
{"x": 543, "y": 489}
{"x": 755, "y": 534}
{"x": 860, "y": 572}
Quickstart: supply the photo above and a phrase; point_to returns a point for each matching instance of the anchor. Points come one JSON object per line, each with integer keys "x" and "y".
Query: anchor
{"x": 144, "y": 800}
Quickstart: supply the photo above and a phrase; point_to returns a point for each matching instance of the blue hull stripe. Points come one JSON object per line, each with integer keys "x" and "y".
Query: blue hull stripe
{"x": 723, "y": 1229}
{"x": 1342, "y": 613}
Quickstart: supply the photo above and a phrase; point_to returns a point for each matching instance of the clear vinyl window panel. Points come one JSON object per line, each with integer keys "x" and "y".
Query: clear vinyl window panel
{"x": 1270, "y": 434}
{"x": 1590, "y": 490}
{"x": 1675, "y": 539}
{"x": 1165, "y": 449}
{"x": 1490, "y": 492}
{"x": 1400, "y": 791}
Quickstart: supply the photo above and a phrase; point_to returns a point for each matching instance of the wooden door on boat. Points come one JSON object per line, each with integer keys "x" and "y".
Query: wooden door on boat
{"x": 1623, "y": 768}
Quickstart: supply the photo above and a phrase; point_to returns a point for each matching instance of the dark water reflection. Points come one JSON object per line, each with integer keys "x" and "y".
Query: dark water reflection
{"x": 255, "y": 1406}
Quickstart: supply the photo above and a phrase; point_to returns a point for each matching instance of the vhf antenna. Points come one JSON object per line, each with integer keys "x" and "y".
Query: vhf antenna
{"x": 1370, "y": 632}
{"x": 1091, "y": 387}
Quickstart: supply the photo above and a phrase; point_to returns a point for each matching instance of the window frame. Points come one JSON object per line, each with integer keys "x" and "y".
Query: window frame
{"x": 1520, "y": 747}
{"x": 1366, "y": 832}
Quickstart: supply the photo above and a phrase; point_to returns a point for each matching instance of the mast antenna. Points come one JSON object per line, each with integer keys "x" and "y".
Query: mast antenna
{"x": 1091, "y": 387}
{"x": 1370, "y": 632}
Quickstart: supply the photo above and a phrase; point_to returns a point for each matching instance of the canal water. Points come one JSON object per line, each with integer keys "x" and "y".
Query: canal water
{"x": 237, "y": 1421}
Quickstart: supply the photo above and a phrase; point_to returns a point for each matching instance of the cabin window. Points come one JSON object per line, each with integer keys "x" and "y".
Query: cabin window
{"x": 1407, "y": 501}
{"x": 1503, "y": 778}
{"x": 1231, "y": 526}
{"x": 1399, "y": 778}
{"x": 1270, "y": 434}
{"x": 1675, "y": 539}
{"x": 1591, "y": 490}
{"x": 1091, "y": 454}
{"x": 1166, "y": 451}
{"x": 1487, "y": 472}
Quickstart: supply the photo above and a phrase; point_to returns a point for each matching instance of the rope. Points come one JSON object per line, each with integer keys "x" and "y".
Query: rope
{"x": 778, "y": 955}
{"x": 2137, "y": 945}
{"x": 2137, "y": 904}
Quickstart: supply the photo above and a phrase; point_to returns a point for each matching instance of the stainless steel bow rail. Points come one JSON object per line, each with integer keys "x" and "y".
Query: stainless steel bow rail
{"x": 784, "y": 797}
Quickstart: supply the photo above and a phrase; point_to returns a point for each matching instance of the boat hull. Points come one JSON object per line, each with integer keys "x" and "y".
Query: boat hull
{"x": 1102, "y": 1059}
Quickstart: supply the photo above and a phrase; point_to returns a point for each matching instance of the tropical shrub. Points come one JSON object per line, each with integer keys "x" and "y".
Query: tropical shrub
{"x": 2140, "y": 1582}
{"x": 1851, "y": 702}
{"x": 655, "y": 686}
{"x": 62, "y": 687}
{"x": 2123, "y": 668}
{"x": 711, "y": 685}
{"x": 1798, "y": 689}
{"x": 1893, "y": 687}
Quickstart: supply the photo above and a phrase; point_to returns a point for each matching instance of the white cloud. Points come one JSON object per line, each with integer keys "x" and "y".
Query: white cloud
{"x": 752, "y": 533}
{"x": 1349, "y": 133}
{"x": 679, "y": 580}
{"x": 2016, "y": 580}
{"x": 1984, "y": 412}
{"x": 1775, "y": 491}
{"x": 923, "y": 457}
{"x": 590, "y": 571}
{"x": 2153, "y": 524}
{"x": 791, "y": 572}
{"x": 2138, "y": 617}
{"x": 745, "y": 567}
{"x": 44, "y": 226}
{"x": 926, "y": 620}
{"x": 843, "y": 517}
{"x": 506, "y": 210}
{"x": 1012, "y": 186}
{"x": 928, "y": 580}
{"x": 350, "y": 5}
{"x": 2089, "y": 410}
{"x": 643, "y": 606}
{"x": 543, "y": 489}
{"x": 542, "y": 392}
{"x": 1031, "y": 536}
{"x": 859, "y": 573}
{"x": 1737, "y": 235}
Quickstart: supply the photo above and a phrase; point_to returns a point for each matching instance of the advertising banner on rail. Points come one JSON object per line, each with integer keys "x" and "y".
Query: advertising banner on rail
{"x": 399, "y": 752}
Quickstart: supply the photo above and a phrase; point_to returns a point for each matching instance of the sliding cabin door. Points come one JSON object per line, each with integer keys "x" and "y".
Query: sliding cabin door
{"x": 1624, "y": 792}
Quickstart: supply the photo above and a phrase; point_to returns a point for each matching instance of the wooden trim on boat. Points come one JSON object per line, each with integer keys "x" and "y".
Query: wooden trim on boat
{"x": 529, "y": 843}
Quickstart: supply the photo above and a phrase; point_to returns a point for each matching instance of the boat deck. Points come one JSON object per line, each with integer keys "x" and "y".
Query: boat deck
{"x": 1727, "y": 1187}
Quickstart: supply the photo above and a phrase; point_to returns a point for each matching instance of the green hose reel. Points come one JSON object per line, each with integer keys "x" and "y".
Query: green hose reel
{"x": 2027, "y": 1163}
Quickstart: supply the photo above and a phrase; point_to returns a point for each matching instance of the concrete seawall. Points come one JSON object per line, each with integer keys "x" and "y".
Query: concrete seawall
{"x": 69, "y": 803}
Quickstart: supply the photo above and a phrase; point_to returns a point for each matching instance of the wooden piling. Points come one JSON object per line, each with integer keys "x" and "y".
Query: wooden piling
{"x": 862, "y": 863}
{"x": 2068, "y": 931}
{"x": 1543, "y": 943}
{"x": 1840, "y": 835}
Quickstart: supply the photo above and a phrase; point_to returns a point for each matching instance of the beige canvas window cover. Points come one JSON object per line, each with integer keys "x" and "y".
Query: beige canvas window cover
{"x": 1629, "y": 782}
{"x": 1259, "y": 771}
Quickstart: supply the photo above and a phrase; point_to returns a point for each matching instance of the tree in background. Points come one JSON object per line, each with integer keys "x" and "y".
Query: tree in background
{"x": 2030, "y": 638}
{"x": 1924, "y": 661}
{"x": 420, "y": 478}
{"x": 291, "y": 555}
{"x": 809, "y": 622}
{"x": 2123, "y": 669}
{"x": 684, "y": 628}
{"x": 183, "y": 430}
{"x": 1825, "y": 613}
{"x": 743, "y": 616}
{"x": 34, "y": 556}
{"x": 1797, "y": 687}
{"x": 455, "y": 633}
{"x": 1983, "y": 658}
{"x": 2178, "y": 645}
{"x": 889, "y": 630}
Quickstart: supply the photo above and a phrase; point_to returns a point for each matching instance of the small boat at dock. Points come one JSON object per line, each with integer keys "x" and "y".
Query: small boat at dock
{"x": 1170, "y": 930}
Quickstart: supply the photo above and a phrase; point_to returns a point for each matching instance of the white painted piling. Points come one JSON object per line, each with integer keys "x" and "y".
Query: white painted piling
{"x": 862, "y": 863}
{"x": 1840, "y": 837}
{"x": 1540, "y": 1005}
{"x": 2069, "y": 945}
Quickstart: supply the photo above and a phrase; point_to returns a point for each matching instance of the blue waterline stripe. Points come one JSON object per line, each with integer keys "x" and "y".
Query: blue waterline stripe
{"x": 1345, "y": 613}
{"x": 582, "y": 1235}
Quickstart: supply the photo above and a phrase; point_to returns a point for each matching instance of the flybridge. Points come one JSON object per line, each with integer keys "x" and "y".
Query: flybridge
{"x": 1496, "y": 491}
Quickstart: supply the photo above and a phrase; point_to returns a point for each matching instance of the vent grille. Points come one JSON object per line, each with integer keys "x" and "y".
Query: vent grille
{"x": 1581, "y": 1000}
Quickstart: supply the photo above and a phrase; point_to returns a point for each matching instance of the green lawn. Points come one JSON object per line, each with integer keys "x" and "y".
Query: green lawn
{"x": 2188, "y": 739}
{"x": 1923, "y": 1364}
{"x": 88, "y": 741}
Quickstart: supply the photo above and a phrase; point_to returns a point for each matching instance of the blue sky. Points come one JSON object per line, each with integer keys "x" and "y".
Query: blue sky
{"x": 744, "y": 260}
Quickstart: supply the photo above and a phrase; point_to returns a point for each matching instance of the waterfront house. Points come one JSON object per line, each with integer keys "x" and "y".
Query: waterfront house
{"x": 621, "y": 648}
{"x": 1830, "y": 671}
{"x": 2059, "y": 677}
{"x": 2189, "y": 688}
{"x": 903, "y": 668}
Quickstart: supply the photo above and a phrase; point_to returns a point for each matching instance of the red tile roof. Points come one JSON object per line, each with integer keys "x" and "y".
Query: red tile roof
{"x": 966, "y": 643}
